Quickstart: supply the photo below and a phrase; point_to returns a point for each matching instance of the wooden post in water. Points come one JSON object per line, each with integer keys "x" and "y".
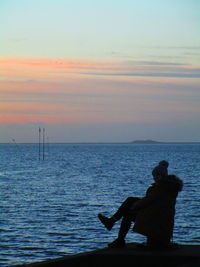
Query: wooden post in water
{"x": 47, "y": 144}
{"x": 43, "y": 143}
{"x": 39, "y": 141}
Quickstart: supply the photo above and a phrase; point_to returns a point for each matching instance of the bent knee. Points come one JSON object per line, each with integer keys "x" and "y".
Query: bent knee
{"x": 132, "y": 199}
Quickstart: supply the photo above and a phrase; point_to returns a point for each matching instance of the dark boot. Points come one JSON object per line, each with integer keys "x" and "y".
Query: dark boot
{"x": 118, "y": 243}
{"x": 107, "y": 222}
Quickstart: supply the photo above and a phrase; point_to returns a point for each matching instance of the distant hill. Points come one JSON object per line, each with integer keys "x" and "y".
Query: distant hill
{"x": 146, "y": 142}
{"x": 149, "y": 141}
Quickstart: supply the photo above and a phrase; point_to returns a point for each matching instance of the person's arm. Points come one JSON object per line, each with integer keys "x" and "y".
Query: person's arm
{"x": 153, "y": 196}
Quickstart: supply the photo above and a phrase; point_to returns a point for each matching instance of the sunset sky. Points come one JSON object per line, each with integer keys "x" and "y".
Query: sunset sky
{"x": 100, "y": 70}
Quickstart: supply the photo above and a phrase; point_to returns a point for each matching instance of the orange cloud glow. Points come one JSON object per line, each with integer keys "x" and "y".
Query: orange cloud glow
{"x": 27, "y": 119}
{"x": 49, "y": 69}
{"x": 48, "y": 90}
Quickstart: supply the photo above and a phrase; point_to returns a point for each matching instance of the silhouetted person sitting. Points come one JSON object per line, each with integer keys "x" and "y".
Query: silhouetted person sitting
{"x": 153, "y": 214}
{"x": 160, "y": 171}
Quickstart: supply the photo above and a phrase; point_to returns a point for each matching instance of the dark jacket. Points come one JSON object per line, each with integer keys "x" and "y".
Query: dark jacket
{"x": 155, "y": 212}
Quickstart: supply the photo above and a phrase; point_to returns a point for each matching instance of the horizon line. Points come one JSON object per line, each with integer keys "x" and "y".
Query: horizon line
{"x": 137, "y": 142}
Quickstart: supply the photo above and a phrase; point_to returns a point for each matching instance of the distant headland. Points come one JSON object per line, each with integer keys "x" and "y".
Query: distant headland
{"x": 149, "y": 141}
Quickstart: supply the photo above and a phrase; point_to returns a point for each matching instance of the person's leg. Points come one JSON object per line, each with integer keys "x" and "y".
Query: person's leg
{"x": 124, "y": 228}
{"x": 122, "y": 211}
{"x": 125, "y": 207}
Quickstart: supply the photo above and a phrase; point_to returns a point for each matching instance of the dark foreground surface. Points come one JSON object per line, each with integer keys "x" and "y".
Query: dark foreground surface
{"x": 184, "y": 256}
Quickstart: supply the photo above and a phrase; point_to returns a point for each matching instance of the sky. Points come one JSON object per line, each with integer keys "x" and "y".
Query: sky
{"x": 100, "y": 71}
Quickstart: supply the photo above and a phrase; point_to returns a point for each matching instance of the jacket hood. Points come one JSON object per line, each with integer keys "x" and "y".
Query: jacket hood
{"x": 172, "y": 182}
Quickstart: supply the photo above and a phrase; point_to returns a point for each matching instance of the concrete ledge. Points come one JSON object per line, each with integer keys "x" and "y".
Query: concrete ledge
{"x": 185, "y": 256}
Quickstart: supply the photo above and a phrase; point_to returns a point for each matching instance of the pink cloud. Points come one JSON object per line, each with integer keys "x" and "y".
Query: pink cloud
{"x": 27, "y": 119}
{"x": 47, "y": 68}
{"x": 49, "y": 90}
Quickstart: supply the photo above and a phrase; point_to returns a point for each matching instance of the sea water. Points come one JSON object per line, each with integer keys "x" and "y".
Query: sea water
{"x": 48, "y": 208}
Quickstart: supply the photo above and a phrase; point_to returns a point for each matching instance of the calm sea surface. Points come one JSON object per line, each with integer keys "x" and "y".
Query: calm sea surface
{"x": 48, "y": 208}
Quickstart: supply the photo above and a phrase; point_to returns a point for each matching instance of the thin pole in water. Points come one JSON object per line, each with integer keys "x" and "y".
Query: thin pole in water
{"x": 39, "y": 141}
{"x": 47, "y": 144}
{"x": 43, "y": 142}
